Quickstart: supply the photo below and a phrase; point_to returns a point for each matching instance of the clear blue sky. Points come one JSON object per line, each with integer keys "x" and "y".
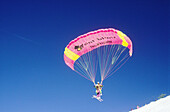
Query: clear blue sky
{"x": 34, "y": 33}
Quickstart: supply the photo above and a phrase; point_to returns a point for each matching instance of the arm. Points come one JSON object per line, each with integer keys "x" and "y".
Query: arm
{"x": 101, "y": 85}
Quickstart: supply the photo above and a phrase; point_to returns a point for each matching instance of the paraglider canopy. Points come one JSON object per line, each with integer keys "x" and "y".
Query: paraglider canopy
{"x": 107, "y": 48}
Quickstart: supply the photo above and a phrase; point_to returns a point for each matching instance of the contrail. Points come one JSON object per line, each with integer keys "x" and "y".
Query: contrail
{"x": 20, "y": 37}
{"x": 26, "y": 39}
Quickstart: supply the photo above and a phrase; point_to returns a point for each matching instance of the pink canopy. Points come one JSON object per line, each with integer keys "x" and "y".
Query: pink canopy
{"x": 92, "y": 40}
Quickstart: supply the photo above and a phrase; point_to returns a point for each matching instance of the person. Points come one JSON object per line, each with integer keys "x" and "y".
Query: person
{"x": 98, "y": 87}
